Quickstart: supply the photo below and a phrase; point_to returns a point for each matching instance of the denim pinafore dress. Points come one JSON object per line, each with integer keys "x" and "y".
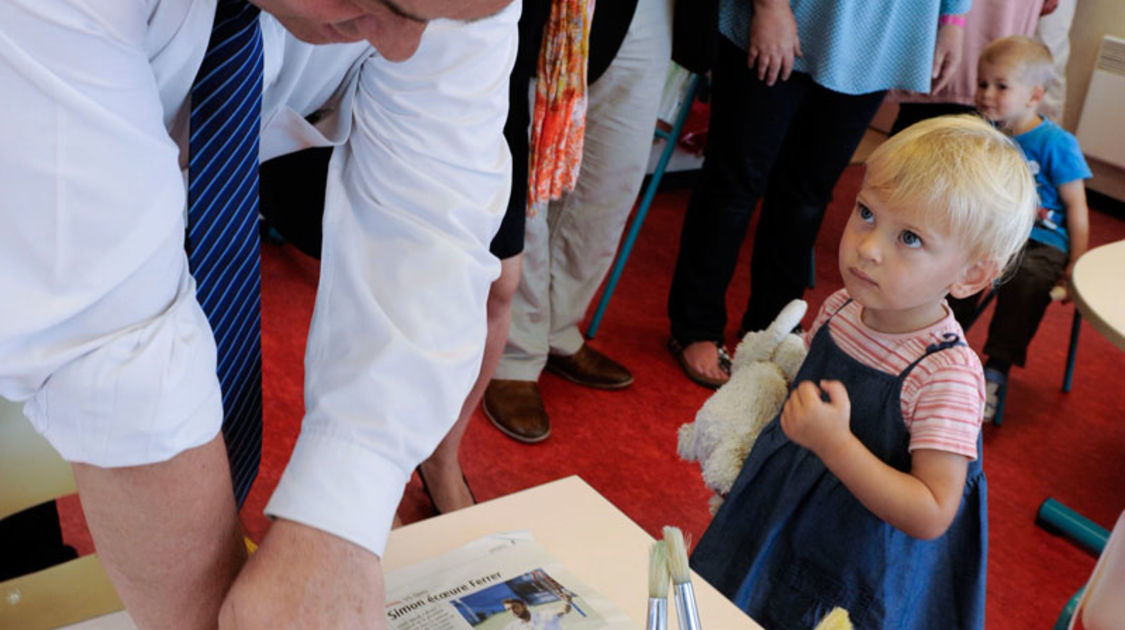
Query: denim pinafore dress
{"x": 791, "y": 541}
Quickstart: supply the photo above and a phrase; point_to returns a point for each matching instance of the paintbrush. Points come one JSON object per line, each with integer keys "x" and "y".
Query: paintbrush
{"x": 686, "y": 611}
{"x": 836, "y": 619}
{"x": 657, "y": 587}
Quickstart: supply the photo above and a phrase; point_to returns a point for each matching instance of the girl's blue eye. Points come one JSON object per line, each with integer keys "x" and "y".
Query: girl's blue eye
{"x": 865, "y": 213}
{"x": 910, "y": 239}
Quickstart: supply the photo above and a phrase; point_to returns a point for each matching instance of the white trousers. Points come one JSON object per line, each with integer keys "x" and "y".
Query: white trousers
{"x": 569, "y": 246}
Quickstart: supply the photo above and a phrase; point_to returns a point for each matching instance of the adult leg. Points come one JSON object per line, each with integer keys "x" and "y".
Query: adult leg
{"x": 167, "y": 533}
{"x": 819, "y": 145}
{"x": 748, "y": 124}
{"x": 527, "y": 334}
{"x": 1021, "y": 302}
{"x": 442, "y": 470}
{"x": 585, "y": 227}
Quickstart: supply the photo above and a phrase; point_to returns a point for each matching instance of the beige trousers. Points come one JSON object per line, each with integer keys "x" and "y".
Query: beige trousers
{"x": 571, "y": 243}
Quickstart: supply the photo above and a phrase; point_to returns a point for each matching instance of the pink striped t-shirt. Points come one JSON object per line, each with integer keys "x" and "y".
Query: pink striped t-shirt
{"x": 942, "y": 397}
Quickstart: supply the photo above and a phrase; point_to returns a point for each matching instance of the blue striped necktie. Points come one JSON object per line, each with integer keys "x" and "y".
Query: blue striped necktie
{"x": 222, "y": 238}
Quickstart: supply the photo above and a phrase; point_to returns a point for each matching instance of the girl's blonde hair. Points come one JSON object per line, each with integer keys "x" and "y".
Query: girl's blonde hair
{"x": 965, "y": 174}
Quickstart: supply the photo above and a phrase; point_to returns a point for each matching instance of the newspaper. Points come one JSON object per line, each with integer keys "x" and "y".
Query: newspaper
{"x": 500, "y": 582}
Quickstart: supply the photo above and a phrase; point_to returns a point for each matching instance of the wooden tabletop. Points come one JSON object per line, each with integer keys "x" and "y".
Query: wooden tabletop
{"x": 596, "y": 542}
{"x": 1098, "y": 282}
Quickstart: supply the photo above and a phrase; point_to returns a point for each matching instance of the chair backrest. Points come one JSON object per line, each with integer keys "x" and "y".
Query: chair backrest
{"x": 1103, "y": 605}
{"x": 32, "y": 472}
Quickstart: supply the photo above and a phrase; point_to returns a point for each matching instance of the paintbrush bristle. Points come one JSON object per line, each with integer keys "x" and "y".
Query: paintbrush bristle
{"x": 677, "y": 555}
{"x": 836, "y": 619}
{"x": 658, "y": 570}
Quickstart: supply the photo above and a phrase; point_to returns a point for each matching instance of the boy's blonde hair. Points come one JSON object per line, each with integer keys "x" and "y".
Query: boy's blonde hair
{"x": 965, "y": 174}
{"x": 1028, "y": 57}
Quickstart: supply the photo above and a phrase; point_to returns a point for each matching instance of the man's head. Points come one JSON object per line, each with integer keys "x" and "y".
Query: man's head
{"x": 394, "y": 27}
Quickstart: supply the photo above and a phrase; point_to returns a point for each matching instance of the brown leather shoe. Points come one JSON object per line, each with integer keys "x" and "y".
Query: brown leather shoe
{"x": 590, "y": 368}
{"x": 516, "y": 408}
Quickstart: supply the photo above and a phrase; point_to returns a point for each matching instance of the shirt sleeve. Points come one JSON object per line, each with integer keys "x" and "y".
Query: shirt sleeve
{"x": 100, "y": 331}
{"x": 955, "y": 7}
{"x": 414, "y": 198}
{"x": 1067, "y": 163}
{"x": 947, "y": 410}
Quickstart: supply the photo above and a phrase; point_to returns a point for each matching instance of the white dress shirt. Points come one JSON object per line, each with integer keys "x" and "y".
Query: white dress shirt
{"x": 100, "y": 331}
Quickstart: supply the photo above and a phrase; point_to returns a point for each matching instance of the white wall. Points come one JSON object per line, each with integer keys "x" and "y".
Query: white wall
{"x": 1092, "y": 20}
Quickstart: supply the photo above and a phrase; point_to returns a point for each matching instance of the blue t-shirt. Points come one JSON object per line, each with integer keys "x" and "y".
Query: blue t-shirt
{"x": 1055, "y": 159}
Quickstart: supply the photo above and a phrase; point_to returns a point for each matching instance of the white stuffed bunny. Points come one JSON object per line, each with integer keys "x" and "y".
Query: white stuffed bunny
{"x": 725, "y": 428}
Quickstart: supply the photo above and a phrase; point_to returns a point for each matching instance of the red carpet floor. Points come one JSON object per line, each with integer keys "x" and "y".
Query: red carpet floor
{"x": 1069, "y": 446}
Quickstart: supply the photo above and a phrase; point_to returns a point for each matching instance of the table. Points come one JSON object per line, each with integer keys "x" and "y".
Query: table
{"x": 598, "y": 544}
{"x": 1099, "y": 292}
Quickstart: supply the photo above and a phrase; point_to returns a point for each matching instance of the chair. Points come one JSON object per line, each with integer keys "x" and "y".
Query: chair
{"x": 1071, "y": 352}
{"x": 31, "y": 472}
{"x": 1099, "y": 603}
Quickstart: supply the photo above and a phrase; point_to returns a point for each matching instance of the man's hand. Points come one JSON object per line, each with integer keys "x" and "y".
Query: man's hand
{"x": 773, "y": 41}
{"x": 813, "y": 423}
{"x": 947, "y": 54}
{"x": 303, "y": 577}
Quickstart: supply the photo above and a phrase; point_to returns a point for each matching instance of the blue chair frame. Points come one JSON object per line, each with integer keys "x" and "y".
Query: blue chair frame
{"x": 1059, "y": 519}
{"x": 1071, "y": 352}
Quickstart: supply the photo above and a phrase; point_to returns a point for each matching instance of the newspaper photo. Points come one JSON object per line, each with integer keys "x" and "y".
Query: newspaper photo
{"x": 499, "y": 582}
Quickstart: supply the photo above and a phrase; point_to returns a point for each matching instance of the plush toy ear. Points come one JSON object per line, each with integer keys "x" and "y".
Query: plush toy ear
{"x": 975, "y": 278}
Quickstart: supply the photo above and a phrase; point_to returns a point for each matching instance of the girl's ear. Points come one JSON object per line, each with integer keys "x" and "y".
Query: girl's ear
{"x": 975, "y": 278}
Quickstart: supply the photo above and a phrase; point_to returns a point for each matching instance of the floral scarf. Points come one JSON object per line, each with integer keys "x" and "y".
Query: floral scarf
{"x": 558, "y": 121}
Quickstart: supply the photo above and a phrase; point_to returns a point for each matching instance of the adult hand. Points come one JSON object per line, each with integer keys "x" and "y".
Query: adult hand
{"x": 303, "y": 577}
{"x": 947, "y": 54}
{"x": 773, "y": 41}
{"x": 813, "y": 423}
{"x": 1048, "y": 7}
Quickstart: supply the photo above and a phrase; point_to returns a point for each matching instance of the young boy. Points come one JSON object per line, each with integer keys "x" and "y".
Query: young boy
{"x": 1011, "y": 80}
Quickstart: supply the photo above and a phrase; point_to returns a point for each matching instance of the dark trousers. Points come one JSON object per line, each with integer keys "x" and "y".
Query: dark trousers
{"x": 910, "y": 113}
{"x": 1021, "y": 301}
{"x": 791, "y": 142}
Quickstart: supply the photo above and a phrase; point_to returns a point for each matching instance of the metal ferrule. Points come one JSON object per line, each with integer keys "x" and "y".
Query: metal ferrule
{"x": 657, "y": 614}
{"x": 686, "y": 611}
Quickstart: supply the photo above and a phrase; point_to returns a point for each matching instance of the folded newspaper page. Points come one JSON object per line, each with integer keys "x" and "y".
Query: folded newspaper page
{"x": 500, "y": 582}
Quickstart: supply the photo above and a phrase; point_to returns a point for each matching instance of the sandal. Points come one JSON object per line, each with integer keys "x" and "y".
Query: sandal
{"x": 677, "y": 351}
{"x": 996, "y": 388}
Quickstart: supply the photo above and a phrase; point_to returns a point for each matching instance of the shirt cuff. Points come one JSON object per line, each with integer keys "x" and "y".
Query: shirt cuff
{"x": 337, "y": 486}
